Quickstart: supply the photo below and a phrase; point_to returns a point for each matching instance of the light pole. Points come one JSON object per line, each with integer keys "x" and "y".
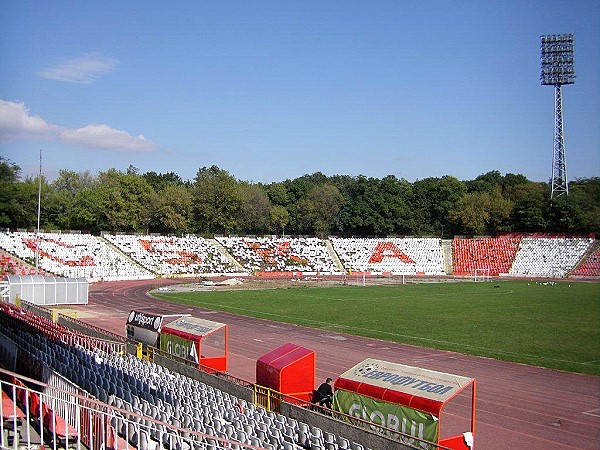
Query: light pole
{"x": 37, "y": 230}
{"x": 558, "y": 68}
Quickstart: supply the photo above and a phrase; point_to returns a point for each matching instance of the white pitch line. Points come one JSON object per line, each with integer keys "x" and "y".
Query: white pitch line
{"x": 592, "y": 412}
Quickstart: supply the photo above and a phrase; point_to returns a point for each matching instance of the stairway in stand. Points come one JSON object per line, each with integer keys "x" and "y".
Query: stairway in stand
{"x": 447, "y": 255}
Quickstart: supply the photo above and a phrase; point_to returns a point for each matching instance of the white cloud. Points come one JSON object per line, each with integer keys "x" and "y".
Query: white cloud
{"x": 105, "y": 137}
{"x": 83, "y": 70}
{"x": 16, "y": 123}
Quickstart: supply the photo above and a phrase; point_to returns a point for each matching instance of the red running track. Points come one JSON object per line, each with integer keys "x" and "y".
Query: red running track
{"x": 518, "y": 406}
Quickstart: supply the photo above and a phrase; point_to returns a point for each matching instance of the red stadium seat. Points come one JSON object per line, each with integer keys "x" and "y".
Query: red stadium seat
{"x": 56, "y": 425}
{"x": 496, "y": 254}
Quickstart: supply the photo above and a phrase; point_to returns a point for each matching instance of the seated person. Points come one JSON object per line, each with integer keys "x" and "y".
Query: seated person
{"x": 324, "y": 394}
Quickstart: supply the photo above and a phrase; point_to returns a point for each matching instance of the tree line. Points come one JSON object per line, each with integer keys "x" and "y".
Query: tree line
{"x": 215, "y": 202}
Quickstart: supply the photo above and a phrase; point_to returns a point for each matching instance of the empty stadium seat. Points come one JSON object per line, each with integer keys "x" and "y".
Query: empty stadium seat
{"x": 73, "y": 255}
{"x": 171, "y": 255}
{"x": 494, "y": 254}
{"x": 394, "y": 255}
{"x": 548, "y": 256}
{"x": 275, "y": 254}
{"x": 590, "y": 267}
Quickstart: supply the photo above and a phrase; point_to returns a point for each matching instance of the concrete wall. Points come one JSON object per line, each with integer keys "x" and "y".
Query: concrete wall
{"x": 241, "y": 392}
{"x": 89, "y": 331}
{"x": 326, "y": 423}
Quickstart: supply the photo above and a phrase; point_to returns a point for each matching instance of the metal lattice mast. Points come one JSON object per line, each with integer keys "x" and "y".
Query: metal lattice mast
{"x": 560, "y": 184}
{"x": 558, "y": 68}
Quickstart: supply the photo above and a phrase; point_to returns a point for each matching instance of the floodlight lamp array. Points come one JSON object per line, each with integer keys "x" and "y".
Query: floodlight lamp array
{"x": 558, "y": 62}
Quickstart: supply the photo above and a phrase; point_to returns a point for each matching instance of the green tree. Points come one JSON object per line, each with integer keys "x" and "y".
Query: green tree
{"x": 255, "y": 209}
{"x": 89, "y": 210}
{"x": 471, "y": 213}
{"x": 494, "y": 179}
{"x": 480, "y": 212}
{"x": 486, "y": 182}
{"x": 393, "y": 198}
{"x": 358, "y": 216}
{"x": 528, "y": 214}
{"x": 432, "y": 199}
{"x": 217, "y": 201}
{"x": 172, "y": 209}
{"x": 585, "y": 192}
{"x": 159, "y": 181}
{"x": 65, "y": 190}
{"x": 9, "y": 180}
{"x": 512, "y": 180}
{"x": 278, "y": 194}
{"x": 565, "y": 215}
{"x": 279, "y": 218}
{"x": 500, "y": 210}
{"x": 125, "y": 200}
{"x": 319, "y": 209}
{"x": 375, "y": 207}
{"x": 26, "y": 201}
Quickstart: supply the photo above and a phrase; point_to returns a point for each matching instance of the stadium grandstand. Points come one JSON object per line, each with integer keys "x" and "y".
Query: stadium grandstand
{"x": 590, "y": 267}
{"x": 66, "y": 384}
{"x": 495, "y": 254}
{"x": 172, "y": 255}
{"x": 130, "y": 257}
{"x": 11, "y": 265}
{"x": 394, "y": 255}
{"x": 73, "y": 255}
{"x": 278, "y": 254}
{"x": 549, "y": 256}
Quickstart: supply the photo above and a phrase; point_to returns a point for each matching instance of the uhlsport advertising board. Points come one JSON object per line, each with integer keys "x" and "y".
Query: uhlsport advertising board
{"x": 144, "y": 327}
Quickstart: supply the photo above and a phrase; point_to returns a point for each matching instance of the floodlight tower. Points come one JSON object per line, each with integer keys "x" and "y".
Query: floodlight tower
{"x": 558, "y": 68}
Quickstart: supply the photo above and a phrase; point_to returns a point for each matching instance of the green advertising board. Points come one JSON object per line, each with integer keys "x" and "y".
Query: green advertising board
{"x": 175, "y": 345}
{"x": 400, "y": 418}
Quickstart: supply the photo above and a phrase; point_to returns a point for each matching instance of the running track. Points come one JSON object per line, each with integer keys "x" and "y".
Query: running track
{"x": 518, "y": 406}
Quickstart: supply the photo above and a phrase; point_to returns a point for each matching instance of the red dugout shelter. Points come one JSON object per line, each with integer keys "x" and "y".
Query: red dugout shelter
{"x": 404, "y": 398}
{"x": 289, "y": 369}
{"x": 199, "y": 340}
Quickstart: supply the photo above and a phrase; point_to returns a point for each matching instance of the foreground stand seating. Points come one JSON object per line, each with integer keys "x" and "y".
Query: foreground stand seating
{"x": 169, "y": 399}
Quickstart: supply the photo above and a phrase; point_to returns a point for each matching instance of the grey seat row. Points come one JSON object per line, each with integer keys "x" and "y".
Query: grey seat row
{"x": 152, "y": 391}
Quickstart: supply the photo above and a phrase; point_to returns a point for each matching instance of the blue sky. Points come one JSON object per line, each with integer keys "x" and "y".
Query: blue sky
{"x": 275, "y": 90}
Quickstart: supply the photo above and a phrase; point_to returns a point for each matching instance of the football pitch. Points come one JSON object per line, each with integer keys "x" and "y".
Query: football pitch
{"x": 554, "y": 325}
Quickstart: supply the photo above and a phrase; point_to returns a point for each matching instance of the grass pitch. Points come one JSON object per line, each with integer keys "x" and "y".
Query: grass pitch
{"x": 555, "y": 325}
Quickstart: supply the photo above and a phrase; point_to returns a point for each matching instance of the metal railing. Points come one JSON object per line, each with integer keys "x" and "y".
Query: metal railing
{"x": 268, "y": 399}
{"x": 30, "y": 419}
